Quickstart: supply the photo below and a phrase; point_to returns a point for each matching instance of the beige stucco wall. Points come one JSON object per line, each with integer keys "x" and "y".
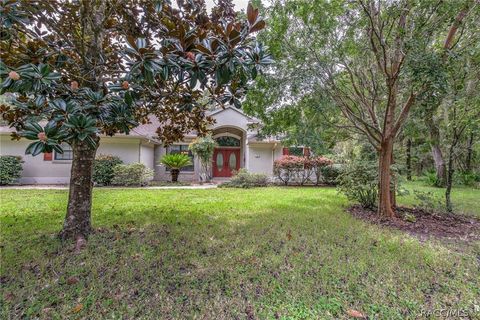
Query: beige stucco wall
{"x": 147, "y": 154}
{"x": 35, "y": 169}
{"x": 38, "y": 171}
{"x": 260, "y": 159}
{"x": 230, "y": 118}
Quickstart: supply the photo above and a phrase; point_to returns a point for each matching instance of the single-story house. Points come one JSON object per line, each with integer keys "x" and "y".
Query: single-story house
{"x": 238, "y": 147}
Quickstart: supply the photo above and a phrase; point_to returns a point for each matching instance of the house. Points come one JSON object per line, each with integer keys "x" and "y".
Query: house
{"x": 238, "y": 147}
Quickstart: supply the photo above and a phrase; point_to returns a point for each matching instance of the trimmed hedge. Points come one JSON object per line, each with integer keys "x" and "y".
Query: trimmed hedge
{"x": 133, "y": 174}
{"x": 10, "y": 169}
{"x": 245, "y": 179}
{"x": 103, "y": 169}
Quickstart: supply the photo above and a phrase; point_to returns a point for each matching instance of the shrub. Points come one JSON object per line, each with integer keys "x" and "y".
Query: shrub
{"x": 469, "y": 179}
{"x": 359, "y": 182}
{"x": 330, "y": 174}
{"x": 428, "y": 201}
{"x": 10, "y": 169}
{"x": 175, "y": 162}
{"x": 317, "y": 164}
{"x": 299, "y": 169}
{"x": 287, "y": 167}
{"x": 134, "y": 174}
{"x": 431, "y": 179}
{"x": 103, "y": 169}
{"x": 245, "y": 179}
{"x": 203, "y": 148}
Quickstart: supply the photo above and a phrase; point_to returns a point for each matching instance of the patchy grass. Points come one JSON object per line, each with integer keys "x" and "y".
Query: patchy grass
{"x": 465, "y": 199}
{"x": 288, "y": 253}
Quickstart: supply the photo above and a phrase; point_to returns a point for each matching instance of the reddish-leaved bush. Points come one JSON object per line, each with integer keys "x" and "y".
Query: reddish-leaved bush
{"x": 300, "y": 169}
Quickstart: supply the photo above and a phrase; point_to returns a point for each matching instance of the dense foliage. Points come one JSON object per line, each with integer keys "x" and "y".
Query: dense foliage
{"x": 295, "y": 169}
{"x": 103, "y": 169}
{"x": 203, "y": 148}
{"x": 131, "y": 175}
{"x": 375, "y": 71}
{"x": 245, "y": 179}
{"x": 358, "y": 180}
{"x": 10, "y": 169}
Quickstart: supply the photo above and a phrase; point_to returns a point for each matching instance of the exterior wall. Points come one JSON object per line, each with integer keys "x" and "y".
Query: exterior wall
{"x": 127, "y": 149}
{"x": 277, "y": 152}
{"x": 230, "y": 118}
{"x": 38, "y": 171}
{"x": 147, "y": 154}
{"x": 260, "y": 159}
{"x": 35, "y": 169}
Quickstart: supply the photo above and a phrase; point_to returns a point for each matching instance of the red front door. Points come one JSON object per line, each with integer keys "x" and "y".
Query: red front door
{"x": 225, "y": 160}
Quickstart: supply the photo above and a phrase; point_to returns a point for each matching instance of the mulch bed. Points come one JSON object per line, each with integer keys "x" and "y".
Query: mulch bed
{"x": 425, "y": 224}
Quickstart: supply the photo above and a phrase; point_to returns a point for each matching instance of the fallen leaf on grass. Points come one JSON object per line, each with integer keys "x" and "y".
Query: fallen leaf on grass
{"x": 72, "y": 280}
{"x": 289, "y": 235}
{"x": 355, "y": 314}
{"x": 77, "y": 308}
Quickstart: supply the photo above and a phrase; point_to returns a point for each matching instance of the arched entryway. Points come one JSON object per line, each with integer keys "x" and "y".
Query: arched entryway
{"x": 228, "y": 155}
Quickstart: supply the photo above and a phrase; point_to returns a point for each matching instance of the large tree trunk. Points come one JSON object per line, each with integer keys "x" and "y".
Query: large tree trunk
{"x": 409, "y": 159}
{"x": 77, "y": 224}
{"x": 385, "y": 205}
{"x": 440, "y": 167}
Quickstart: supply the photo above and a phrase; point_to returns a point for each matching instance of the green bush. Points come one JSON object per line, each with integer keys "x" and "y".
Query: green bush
{"x": 10, "y": 169}
{"x": 134, "y": 174}
{"x": 245, "y": 179}
{"x": 330, "y": 174}
{"x": 469, "y": 179}
{"x": 431, "y": 179}
{"x": 359, "y": 182}
{"x": 103, "y": 169}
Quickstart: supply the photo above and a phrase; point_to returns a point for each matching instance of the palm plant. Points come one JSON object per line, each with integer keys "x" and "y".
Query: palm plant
{"x": 175, "y": 162}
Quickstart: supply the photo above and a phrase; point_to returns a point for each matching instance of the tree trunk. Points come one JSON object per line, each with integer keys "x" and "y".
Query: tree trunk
{"x": 77, "y": 224}
{"x": 437, "y": 155}
{"x": 448, "y": 191}
{"x": 468, "y": 159}
{"x": 385, "y": 206}
{"x": 393, "y": 185}
{"x": 409, "y": 159}
{"x": 440, "y": 167}
{"x": 174, "y": 173}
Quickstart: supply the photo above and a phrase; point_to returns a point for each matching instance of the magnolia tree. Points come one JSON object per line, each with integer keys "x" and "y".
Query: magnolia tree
{"x": 81, "y": 69}
{"x": 203, "y": 148}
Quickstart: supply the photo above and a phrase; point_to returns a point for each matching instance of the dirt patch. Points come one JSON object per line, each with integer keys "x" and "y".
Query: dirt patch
{"x": 424, "y": 224}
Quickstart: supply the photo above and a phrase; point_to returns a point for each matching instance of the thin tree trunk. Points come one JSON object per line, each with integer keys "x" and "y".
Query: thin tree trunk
{"x": 437, "y": 152}
{"x": 385, "y": 206}
{"x": 468, "y": 159}
{"x": 409, "y": 159}
{"x": 448, "y": 191}
{"x": 77, "y": 224}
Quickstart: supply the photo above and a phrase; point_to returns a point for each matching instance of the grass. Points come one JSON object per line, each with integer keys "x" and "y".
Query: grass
{"x": 465, "y": 199}
{"x": 288, "y": 253}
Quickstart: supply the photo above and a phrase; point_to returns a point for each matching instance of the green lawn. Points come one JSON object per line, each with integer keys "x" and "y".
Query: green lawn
{"x": 288, "y": 253}
{"x": 465, "y": 200}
